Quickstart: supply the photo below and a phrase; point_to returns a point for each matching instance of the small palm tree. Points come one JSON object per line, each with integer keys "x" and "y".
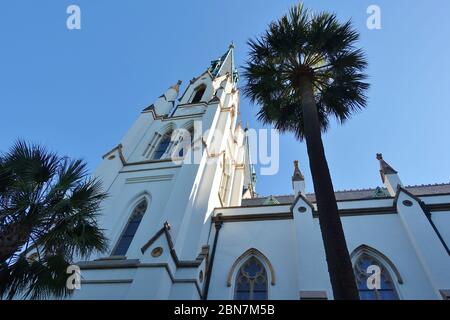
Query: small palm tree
{"x": 303, "y": 71}
{"x": 48, "y": 210}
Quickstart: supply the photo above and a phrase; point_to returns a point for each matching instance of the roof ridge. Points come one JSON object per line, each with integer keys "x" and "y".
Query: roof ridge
{"x": 357, "y": 190}
{"x": 274, "y": 195}
{"x": 428, "y": 185}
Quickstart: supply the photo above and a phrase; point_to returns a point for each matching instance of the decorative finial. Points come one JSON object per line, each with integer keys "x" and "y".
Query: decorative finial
{"x": 176, "y": 86}
{"x": 385, "y": 168}
{"x": 389, "y": 176}
{"x": 297, "y": 176}
{"x": 231, "y": 45}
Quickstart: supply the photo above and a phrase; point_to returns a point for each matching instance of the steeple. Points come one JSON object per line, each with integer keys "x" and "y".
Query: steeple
{"x": 210, "y": 86}
{"x": 298, "y": 180}
{"x": 224, "y": 65}
{"x": 389, "y": 176}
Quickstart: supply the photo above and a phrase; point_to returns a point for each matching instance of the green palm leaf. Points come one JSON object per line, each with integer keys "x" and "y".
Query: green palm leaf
{"x": 48, "y": 206}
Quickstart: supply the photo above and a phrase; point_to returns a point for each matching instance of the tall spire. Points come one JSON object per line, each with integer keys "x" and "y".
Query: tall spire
{"x": 225, "y": 64}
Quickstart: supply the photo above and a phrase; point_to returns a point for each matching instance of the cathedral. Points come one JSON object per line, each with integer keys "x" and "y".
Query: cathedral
{"x": 184, "y": 220}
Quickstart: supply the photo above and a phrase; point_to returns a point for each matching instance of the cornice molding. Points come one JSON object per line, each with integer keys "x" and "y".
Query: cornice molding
{"x": 289, "y": 215}
{"x": 253, "y": 217}
{"x": 130, "y": 264}
{"x": 119, "y": 149}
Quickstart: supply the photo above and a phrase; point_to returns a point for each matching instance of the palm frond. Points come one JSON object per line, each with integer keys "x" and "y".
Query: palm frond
{"x": 302, "y": 41}
{"x": 48, "y": 205}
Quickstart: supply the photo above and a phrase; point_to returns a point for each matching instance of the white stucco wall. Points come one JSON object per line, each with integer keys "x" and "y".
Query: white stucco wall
{"x": 273, "y": 239}
{"x": 384, "y": 232}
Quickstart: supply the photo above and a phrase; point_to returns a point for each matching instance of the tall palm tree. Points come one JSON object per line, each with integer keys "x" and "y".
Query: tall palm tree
{"x": 48, "y": 210}
{"x": 303, "y": 71}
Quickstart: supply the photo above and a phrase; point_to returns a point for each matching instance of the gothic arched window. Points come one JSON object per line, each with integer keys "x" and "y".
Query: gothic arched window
{"x": 130, "y": 230}
{"x": 187, "y": 140}
{"x": 385, "y": 290}
{"x": 163, "y": 145}
{"x": 251, "y": 281}
{"x": 198, "y": 94}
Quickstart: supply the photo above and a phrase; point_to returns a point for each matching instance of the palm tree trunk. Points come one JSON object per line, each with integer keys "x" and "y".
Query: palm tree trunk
{"x": 11, "y": 239}
{"x": 339, "y": 264}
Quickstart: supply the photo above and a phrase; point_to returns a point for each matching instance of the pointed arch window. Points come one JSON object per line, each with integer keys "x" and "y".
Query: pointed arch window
{"x": 163, "y": 145}
{"x": 251, "y": 281}
{"x": 198, "y": 94}
{"x": 386, "y": 290}
{"x": 187, "y": 140}
{"x": 130, "y": 230}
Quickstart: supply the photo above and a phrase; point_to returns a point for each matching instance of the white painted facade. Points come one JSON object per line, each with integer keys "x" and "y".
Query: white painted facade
{"x": 197, "y": 224}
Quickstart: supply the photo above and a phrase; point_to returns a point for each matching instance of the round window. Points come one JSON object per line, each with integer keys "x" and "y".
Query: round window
{"x": 157, "y": 252}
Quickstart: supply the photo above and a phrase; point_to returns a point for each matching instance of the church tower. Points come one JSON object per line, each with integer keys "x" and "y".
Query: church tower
{"x": 185, "y": 155}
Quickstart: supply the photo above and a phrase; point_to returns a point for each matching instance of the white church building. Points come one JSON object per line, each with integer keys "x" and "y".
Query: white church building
{"x": 196, "y": 229}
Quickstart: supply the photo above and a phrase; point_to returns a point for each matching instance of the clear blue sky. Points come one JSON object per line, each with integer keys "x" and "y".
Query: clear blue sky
{"x": 79, "y": 91}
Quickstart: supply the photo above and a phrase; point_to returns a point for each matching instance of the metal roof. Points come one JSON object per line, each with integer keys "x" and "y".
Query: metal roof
{"x": 364, "y": 194}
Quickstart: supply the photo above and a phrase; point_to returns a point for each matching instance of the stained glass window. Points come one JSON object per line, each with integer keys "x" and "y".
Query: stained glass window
{"x": 130, "y": 230}
{"x": 386, "y": 290}
{"x": 251, "y": 281}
